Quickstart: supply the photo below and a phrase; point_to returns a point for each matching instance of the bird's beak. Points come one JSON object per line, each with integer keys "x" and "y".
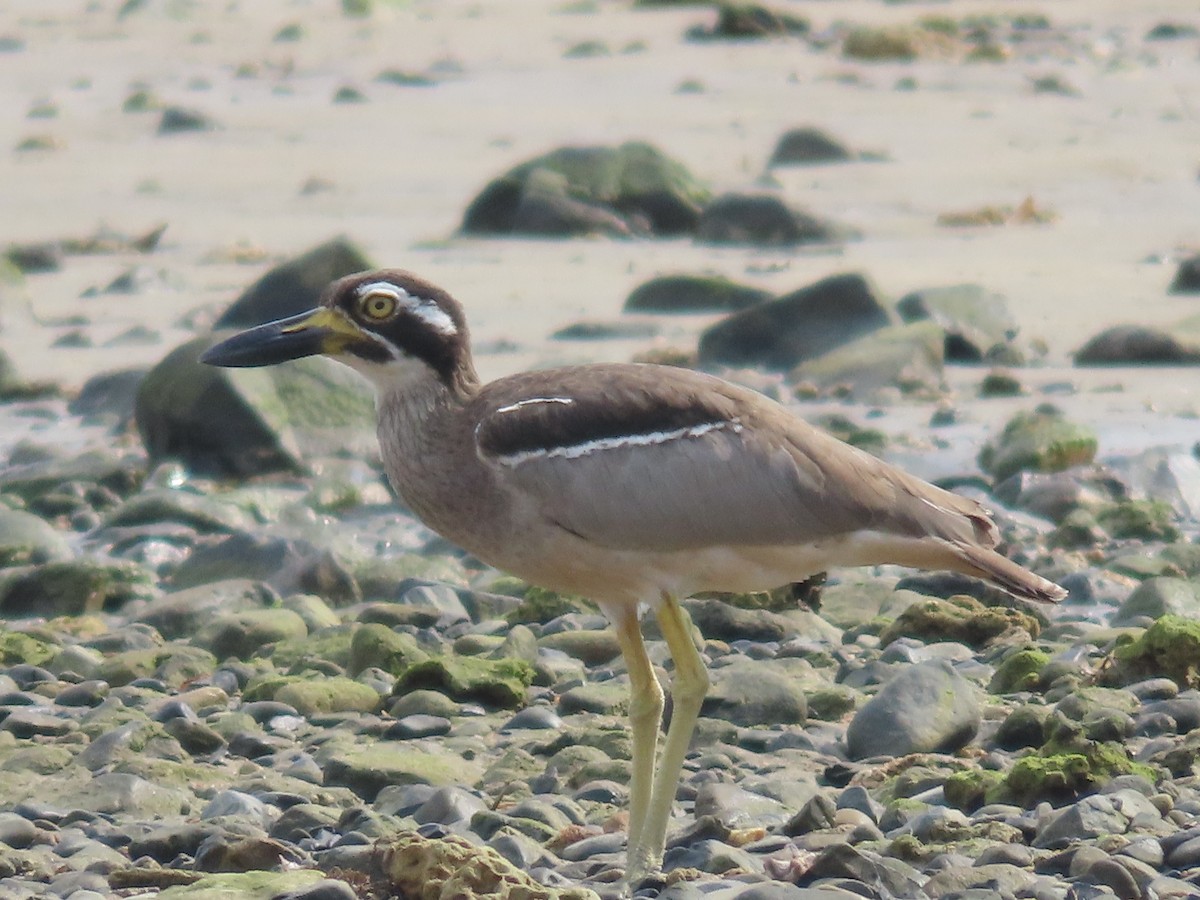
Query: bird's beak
{"x": 319, "y": 331}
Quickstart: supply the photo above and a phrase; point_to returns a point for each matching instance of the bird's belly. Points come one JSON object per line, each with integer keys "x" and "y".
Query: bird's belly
{"x": 644, "y": 576}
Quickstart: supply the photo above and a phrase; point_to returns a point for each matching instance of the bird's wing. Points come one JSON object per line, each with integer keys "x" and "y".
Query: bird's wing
{"x": 684, "y": 461}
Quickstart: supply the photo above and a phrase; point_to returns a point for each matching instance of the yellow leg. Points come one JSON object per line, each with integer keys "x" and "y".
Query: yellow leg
{"x": 689, "y": 684}
{"x": 645, "y": 717}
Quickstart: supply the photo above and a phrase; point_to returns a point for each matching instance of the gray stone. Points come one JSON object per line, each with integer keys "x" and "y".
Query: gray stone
{"x": 108, "y": 397}
{"x": 1088, "y": 818}
{"x": 610, "y": 189}
{"x": 1159, "y": 597}
{"x": 74, "y": 587}
{"x": 26, "y": 539}
{"x": 755, "y": 693}
{"x": 294, "y": 286}
{"x": 782, "y": 333}
{"x": 976, "y": 322}
{"x": 244, "y": 422}
{"x": 760, "y": 220}
{"x": 183, "y": 613}
{"x": 240, "y": 634}
{"x": 808, "y": 146}
{"x": 926, "y": 708}
{"x": 1136, "y": 345}
{"x": 998, "y": 879}
{"x": 908, "y": 357}
{"x": 692, "y": 294}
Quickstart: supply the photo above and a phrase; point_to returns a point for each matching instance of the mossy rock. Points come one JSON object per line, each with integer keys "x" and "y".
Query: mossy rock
{"x": 256, "y": 885}
{"x": 1019, "y": 671}
{"x": 74, "y": 587}
{"x": 377, "y": 646}
{"x": 312, "y": 696}
{"x": 968, "y": 790}
{"x": 960, "y": 618}
{"x": 328, "y": 645}
{"x": 1042, "y": 440}
{"x": 16, "y": 648}
{"x": 26, "y": 540}
{"x": 1063, "y": 777}
{"x": 266, "y": 685}
{"x": 830, "y": 704}
{"x": 693, "y": 293}
{"x": 367, "y": 770}
{"x": 540, "y": 606}
{"x": 174, "y": 663}
{"x": 1170, "y": 647}
{"x": 492, "y": 682}
{"x": 1143, "y": 520}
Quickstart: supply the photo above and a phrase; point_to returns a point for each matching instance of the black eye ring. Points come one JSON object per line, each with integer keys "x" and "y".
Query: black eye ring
{"x": 378, "y": 305}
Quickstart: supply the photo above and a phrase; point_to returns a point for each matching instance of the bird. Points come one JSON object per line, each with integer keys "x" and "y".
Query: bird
{"x": 635, "y": 485}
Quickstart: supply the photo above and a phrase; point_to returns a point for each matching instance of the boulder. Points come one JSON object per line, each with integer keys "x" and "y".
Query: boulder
{"x": 242, "y": 422}
{"x": 808, "y": 146}
{"x": 693, "y": 294}
{"x": 780, "y": 334}
{"x": 1137, "y": 345}
{"x": 977, "y": 324}
{"x": 294, "y": 286}
{"x": 1187, "y": 277}
{"x": 625, "y": 189}
{"x": 909, "y": 357}
{"x": 760, "y": 219}
{"x": 926, "y": 708}
{"x": 1042, "y": 440}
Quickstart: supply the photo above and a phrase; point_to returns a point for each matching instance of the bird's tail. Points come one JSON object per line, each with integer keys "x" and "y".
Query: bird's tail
{"x": 1003, "y": 572}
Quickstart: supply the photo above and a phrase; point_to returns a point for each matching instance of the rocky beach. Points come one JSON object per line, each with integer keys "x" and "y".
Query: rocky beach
{"x": 959, "y": 235}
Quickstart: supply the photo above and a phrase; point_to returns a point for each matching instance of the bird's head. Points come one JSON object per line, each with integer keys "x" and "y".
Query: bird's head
{"x": 387, "y": 324}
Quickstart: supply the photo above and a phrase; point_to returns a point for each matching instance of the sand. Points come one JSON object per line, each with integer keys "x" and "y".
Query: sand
{"x": 1117, "y": 164}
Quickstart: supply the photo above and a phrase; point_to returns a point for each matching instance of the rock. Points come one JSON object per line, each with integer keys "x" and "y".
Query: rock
{"x": 1088, "y": 818}
{"x": 205, "y": 514}
{"x": 1137, "y": 345}
{"x": 1043, "y": 440}
{"x": 755, "y": 693}
{"x": 243, "y": 422}
{"x": 26, "y": 539}
{"x": 606, "y": 331}
{"x": 183, "y": 613}
{"x": 290, "y": 566}
{"x": 1157, "y": 597}
{"x": 30, "y": 259}
{"x": 1003, "y": 879}
{"x": 295, "y": 286}
{"x": 584, "y": 189}
{"x": 927, "y": 708}
{"x": 176, "y": 120}
{"x": 253, "y": 885}
{"x": 978, "y": 325}
{"x": 740, "y": 21}
{"x": 905, "y": 356}
{"x": 780, "y": 334}
{"x": 1167, "y": 474}
{"x": 452, "y": 866}
{"x": 312, "y": 696}
{"x": 121, "y": 473}
{"x": 108, "y": 397}
{"x": 366, "y": 770}
{"x": 495, "y": 682}
{"x": 240, "y": 634}
{"x": 893, "y": 876}
{"x": 594, "y": 648}
{"x": 959, "y": 618}
{"x": 808, "y": 146}
{"x": 1187, "y": 277}
{"x": 693, "y": 294}
{"x": 1170, "y": 648}
{"x": 377, "y": 646}
{"x": 761, "y": 220}
{"x": 74, "y": 587}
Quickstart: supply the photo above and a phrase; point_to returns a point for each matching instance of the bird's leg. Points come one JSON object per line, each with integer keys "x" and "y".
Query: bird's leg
{"x": 689, "y": 684}
{"x": 645, "y": 717}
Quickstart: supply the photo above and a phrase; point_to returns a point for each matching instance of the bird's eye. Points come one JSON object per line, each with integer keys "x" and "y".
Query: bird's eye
{"x": 378, "y": 305}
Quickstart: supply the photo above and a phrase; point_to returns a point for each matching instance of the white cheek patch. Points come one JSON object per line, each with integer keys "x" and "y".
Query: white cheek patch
{"x": 425, "y": 310}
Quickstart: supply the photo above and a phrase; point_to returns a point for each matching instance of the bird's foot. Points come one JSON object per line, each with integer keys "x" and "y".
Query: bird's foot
{"x": 643, "y": 872}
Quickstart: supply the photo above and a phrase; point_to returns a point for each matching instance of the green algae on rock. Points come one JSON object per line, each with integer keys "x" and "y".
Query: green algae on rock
{"x": 311, "y": 695}
{"x": 960, "y": 618}
{"x": 368, "y": 769}
{"x": 73, "y": 587}
{"x": 377, "y": 646}
{"x": 492, "y": 682}
{"x": 1019, "y": 671}
{"x": 1041, "y": 440}
{"x": 1170, "y": 647}
{"x": 1143, "y": 520}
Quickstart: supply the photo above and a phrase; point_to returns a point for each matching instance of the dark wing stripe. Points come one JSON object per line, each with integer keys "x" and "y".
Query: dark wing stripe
{"x": 575, "y": 418}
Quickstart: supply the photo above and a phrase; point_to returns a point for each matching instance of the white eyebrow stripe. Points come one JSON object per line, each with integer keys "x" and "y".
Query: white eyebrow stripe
{"x": 575, "y": 451}
{"x": 513, "y": 407}
{"x": 425, "y": 310}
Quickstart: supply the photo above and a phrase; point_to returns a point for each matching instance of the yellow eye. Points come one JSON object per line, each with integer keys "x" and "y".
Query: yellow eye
{"x": 378, "y": 305}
